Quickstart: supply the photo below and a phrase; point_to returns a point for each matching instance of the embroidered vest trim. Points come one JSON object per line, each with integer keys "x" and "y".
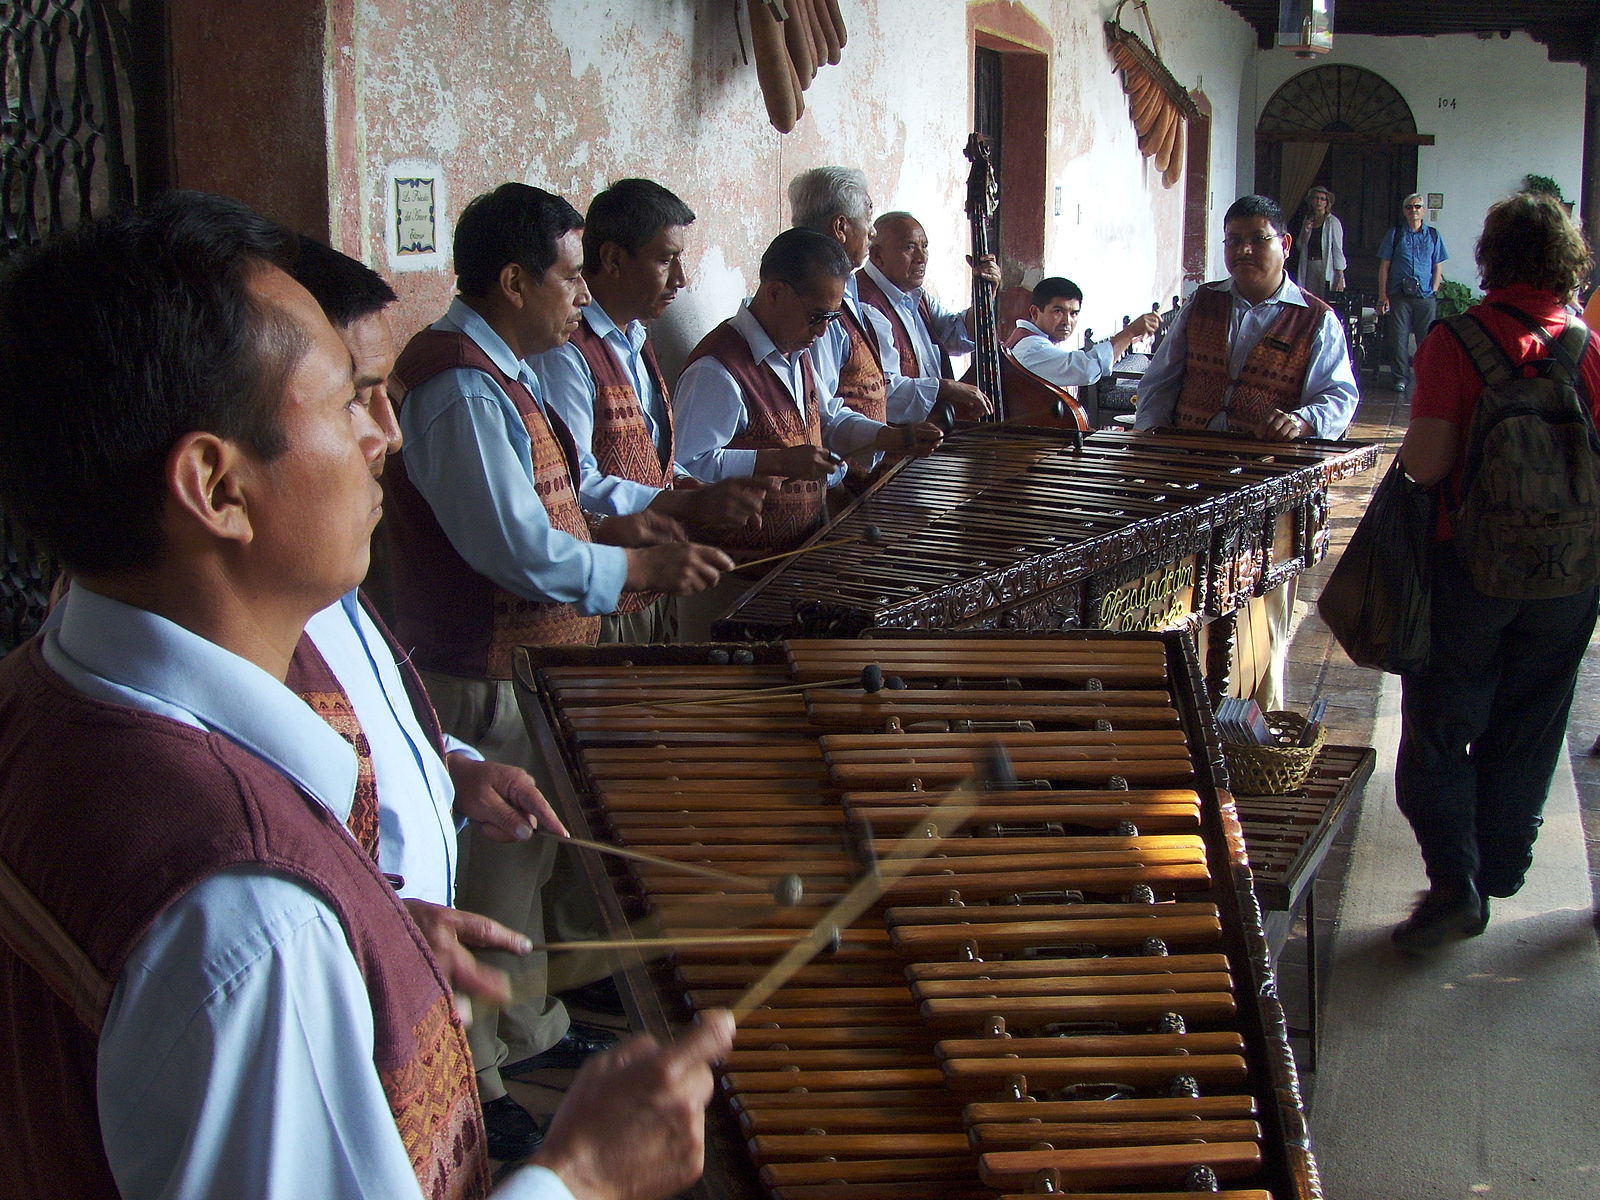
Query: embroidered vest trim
{"x": 622, "y": 445}
{"x": 772, "y": 422}
{"x": 460, "y": 622}
{"x": 1273, "y": 374}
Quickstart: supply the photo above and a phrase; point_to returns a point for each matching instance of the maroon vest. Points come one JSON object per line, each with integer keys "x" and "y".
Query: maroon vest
{"x": 1273, "y": 375}
{"x": 622, "y": 445}
{"x": 771, "y": 422}
{"x": 862, "y": 385}
{"x": 1017, "y": 336}
{"x": 870, "y": 293}
{"x": 158, "y": 806}
{"x": 460, "y": 622}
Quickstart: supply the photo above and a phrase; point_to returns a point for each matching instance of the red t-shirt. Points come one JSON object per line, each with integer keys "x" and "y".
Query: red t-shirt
{"x": 1448, "y": 385}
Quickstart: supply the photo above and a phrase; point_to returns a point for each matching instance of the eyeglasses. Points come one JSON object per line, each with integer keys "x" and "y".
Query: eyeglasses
{"x": 821, "y": 317}
{"x": 1259, "y": 242}
{"x": 1411, "y": 206}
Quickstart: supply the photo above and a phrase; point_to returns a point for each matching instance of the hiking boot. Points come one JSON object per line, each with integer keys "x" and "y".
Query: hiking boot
{"x": 1448, "y": 912}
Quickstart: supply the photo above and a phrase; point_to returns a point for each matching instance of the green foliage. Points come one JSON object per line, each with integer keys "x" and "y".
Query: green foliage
{"x": 1542, "y": 185}
{"x": 1455, "y": 298}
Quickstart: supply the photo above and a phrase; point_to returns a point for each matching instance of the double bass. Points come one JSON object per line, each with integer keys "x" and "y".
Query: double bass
{"x": 1016, "y": 392}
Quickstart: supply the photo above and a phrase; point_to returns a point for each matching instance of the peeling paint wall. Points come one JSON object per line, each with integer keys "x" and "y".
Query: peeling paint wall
{"x": 571, "y": 94}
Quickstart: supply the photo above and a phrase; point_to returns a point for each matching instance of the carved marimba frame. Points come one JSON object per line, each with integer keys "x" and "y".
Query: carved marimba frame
{"x": 1017, "y": 528}
{"x": 660, "y": 747}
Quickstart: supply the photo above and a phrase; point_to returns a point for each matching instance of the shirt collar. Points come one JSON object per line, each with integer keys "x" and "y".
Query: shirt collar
{"x": 761, "y": 345}
{"x": 159, "y": 666}
{"x": 1288, "y": 293}
{"x": 1536, "y": 302}
{"x": 462, "y": 317}
{"x": 895, "y": 293}
{"x": 600, "y": 321}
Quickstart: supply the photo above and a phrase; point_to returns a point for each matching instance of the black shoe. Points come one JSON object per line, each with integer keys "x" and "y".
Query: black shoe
{"x": 513, "y": 1133}
{"x": 1482, "y": 922}
{"x": 601, "y": 996}
{"x": 582, "y": 1040}
{"x": 1446, "y": 913}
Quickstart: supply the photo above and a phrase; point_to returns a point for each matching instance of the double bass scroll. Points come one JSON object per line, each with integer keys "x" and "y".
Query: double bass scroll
{"x": 1017, "y": 393}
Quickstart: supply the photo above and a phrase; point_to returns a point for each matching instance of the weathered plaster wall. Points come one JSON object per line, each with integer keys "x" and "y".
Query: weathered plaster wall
{"x": 570, "y": 94}
{"x": 1515, "y": 112}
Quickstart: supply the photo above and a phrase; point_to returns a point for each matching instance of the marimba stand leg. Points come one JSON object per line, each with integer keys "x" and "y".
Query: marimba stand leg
{"x": 1309, "y": 1032}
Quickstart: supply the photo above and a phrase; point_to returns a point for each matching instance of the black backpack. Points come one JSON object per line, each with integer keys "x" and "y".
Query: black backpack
{"x": 1527, "y": 519}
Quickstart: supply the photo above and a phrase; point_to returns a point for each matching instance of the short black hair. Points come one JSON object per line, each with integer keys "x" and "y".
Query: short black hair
{"x": 799, "y": 256}
{"x": 116, "y": 340}
{"x": 1053, "y": 288}
{"x": 515, "y": 223}
{"x": 346, "y": 289}
{"x": 1246, "y": 207}
{"x": 630, "y": 212}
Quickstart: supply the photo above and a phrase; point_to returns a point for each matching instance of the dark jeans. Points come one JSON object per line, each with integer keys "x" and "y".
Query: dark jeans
{"x": 1408, "y": 315}
{"x": 1482, "y": 726}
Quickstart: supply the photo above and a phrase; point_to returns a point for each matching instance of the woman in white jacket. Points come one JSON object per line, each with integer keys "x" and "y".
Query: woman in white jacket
{"x": 1319, "y": 246}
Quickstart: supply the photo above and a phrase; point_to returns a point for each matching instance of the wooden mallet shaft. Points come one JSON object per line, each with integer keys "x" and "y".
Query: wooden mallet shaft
{"x": 786, "y": 889}
{"x": 871, "y": 534}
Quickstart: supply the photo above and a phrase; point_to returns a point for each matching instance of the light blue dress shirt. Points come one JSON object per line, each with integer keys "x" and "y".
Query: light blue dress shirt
{"x": 1053, "y": 361}
{"x": 949, "y": 331}
{"x": 236, "y": 1057}
{"x": 1329, "y": 395}
{"x": 709, "y": 411}
{"x": 1412, "y": 255}
{"x": 567, "y": 385}
{"x": 469, "y": 454}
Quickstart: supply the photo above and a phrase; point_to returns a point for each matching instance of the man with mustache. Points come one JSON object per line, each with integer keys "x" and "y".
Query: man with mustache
{"x": 492, "y": 551}
{"x": 607, "y": 386}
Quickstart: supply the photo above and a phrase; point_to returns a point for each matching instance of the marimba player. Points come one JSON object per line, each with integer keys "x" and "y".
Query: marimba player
{"x": 608, "y": 388}
{"x": 1256, "y": 354}
{"x": 491, "y": 551}
{"x": 751, "y": 400}
{"x": 253, "y": 1003}
{"x": 1039, "y": 343}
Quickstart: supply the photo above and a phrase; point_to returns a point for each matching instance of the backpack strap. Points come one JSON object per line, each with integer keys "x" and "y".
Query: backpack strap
{"x": 1493, "y": 364}
{"x": 1567, "y": 350}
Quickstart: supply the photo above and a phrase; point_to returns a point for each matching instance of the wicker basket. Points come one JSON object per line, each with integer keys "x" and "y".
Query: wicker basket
{"x": 1273, "y": 770}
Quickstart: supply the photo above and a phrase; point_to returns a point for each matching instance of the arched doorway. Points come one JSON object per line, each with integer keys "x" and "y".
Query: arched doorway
{"x": 1348, "y": 129}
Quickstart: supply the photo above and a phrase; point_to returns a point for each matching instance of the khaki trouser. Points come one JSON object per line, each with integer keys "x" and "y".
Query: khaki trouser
{"x": 697, "y": 612}
{"x": 653, "y": 625}
{"x": 503, "y": 880}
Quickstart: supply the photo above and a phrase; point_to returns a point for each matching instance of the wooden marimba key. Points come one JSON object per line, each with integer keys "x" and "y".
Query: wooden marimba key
{"x": 1067, "y": 994}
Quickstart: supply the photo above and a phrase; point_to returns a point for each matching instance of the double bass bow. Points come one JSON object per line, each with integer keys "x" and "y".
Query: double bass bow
{"x": 1016, "y": 392}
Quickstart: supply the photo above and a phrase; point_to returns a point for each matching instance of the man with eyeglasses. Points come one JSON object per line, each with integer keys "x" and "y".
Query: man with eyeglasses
{"x": 857, "y": 356}
{"x": 1254, "y": 353}
{"x": 751, "y": 401}
{"x": 1410, "y": 265}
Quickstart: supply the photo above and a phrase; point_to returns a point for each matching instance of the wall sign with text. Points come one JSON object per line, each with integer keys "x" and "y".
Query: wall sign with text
{"x": 414, "y": 216}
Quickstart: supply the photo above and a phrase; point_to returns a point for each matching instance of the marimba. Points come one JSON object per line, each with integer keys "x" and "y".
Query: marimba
{"x": 1008, "y": 527}
{"x": 1070, "y": 992}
